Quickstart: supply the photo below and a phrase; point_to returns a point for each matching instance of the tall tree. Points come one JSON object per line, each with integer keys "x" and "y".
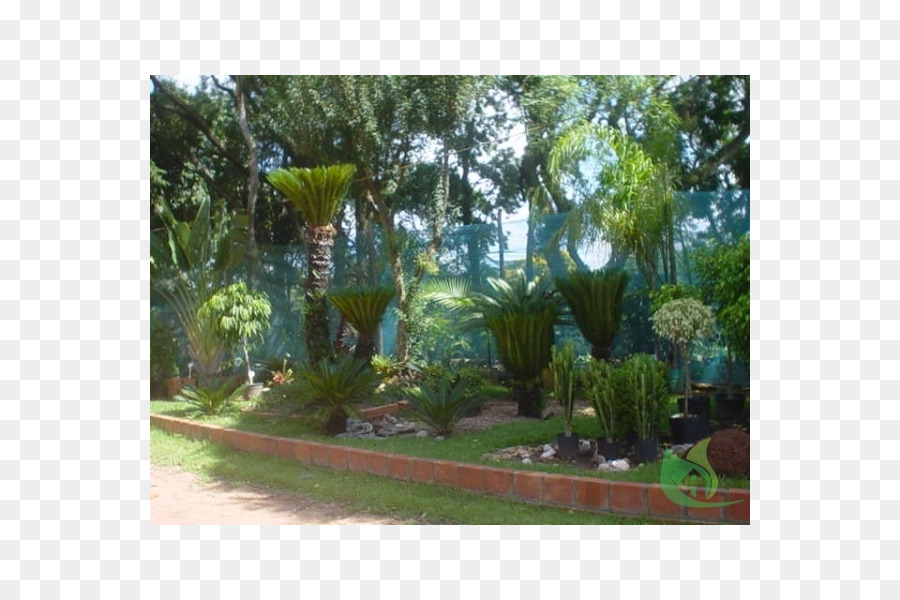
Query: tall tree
{"x": 318, "y": 195}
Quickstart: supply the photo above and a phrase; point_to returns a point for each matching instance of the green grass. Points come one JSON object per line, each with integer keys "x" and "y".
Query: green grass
{"x": 468, "y": 448}
{"x": 412, "y": 503}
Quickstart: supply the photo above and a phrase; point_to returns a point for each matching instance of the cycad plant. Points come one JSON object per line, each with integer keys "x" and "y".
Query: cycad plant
{"x": 329, "y": 388}
{"x": 441, "y": 403}
{"x": 595, "y": 299}
{"x": 363, "y": 308}
{"x": 317, "y": 194}
{"x": 520, "y": 315}
{"x": 211, "y": 400}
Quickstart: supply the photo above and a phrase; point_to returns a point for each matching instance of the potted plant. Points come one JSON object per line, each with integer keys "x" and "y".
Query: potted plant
{"x": 239, "y": 314}
{"x": 724, "y": 270}
{"x": 684, "y": 321}
{"x": 562, "y": 367}
{"x": 600, "y": 380}
{"x": 644, "y": 378}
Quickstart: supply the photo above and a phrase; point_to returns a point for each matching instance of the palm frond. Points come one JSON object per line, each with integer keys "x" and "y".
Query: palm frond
{"x": 363, "y": 307}
{"x": 316, "y": 193}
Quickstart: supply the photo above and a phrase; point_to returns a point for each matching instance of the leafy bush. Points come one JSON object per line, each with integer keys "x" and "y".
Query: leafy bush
{"x": 441, "y": 404}
{"x": 326, "y": 390}
{"x": 562, "y": 365}
{"x": 211, "y": 400}
{"x": 643, "y": 379}
{"x": 601, "y": 382}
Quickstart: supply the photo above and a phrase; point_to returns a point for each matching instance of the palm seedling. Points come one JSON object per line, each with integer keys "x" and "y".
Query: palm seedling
{"x": 328, "y": 389}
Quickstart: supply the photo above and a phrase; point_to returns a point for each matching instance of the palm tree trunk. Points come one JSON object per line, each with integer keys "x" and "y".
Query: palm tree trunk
{"x": 320, "y": 241}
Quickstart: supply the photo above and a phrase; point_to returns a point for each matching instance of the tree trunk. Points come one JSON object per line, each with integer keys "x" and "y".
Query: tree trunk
{"x": 529, "y": 398}
{"x": 319, "y": 242}
{"x": 252, "y": 181}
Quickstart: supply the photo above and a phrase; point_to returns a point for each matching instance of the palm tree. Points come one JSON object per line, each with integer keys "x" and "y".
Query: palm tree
{"x": 595, "y": 299}
{"x": 363, "y": 308}
{"x": 317, "y": 194}
{"x": 520, "y": 314}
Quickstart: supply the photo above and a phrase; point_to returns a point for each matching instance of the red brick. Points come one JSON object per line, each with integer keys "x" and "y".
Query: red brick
{"x": 303, "y": 451}
{"x": 739, "y": 512}
{"x": 421, "y": 470}
{"x": 356, "y": 459}
{"x": 337, "y": 457}
{"x": 377, "y": 463}
{"x": 716, "y": 513}
{"x": 398, "y": 467}
{"x": 660, "y": 506}
{"x": 216, "y": 435}
{"x": 528, "y": 485}
{"x": 269, "y": 445}
{"x": 626, "y": 497}
{"x": 445, "y": 473}
{"x": 592, "y": 492}
{"x": 471, "y": 477}
{"x": 558, "y": 488}
{"x": 498, "y": 481}
{"x": 318, "y": 454}
{"x": 285, "y": 448}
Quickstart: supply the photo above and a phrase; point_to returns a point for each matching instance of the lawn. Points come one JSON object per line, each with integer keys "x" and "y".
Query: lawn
{"x": 468, "y": 448}
{"x": 414, "y": 503}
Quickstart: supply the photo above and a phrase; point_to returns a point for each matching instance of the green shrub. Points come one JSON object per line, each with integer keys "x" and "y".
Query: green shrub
{"x": 562, "y": 365}
{"x": 603, "y": 390}
{"x": 441, "y": 404}
{"x": 211, "y": 400}
{"x": 163, "y": 352}
{"x": 643, "y": 380}
{"x": 326, "y": 390}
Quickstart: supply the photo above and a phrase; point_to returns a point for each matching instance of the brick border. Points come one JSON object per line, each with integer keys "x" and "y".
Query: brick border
{"x": 584, "y": 493}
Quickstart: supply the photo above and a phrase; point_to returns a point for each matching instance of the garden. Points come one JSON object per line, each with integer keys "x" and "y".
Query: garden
{"x": 547, "y": 274}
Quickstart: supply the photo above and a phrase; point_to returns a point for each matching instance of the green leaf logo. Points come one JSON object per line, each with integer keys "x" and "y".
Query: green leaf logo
{"x": 674, "y": 471}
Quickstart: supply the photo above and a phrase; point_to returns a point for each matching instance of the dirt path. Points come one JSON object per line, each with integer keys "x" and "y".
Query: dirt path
{"x": 180, "y": 498}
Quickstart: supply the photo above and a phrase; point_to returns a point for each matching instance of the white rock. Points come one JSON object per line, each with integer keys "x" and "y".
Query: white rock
{"x": 547, "y": 447}
{"x": 599, "y": 458}
{"x": 548, "y": 453}
{"x": 604, "y": 466}
{"x": 526, "y": 461}
{"x": 619, "y": 465}
{"x": 439, "y": 438}
{"x": 422, "y": 433}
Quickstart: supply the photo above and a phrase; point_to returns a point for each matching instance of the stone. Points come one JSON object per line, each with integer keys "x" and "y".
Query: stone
{"x": 526, "y": 461}
{"x": 604, "y": 466}
{"x": 598, "y": 458}
{"x": 619, "y": 465}
{"x": 422, "y": 434}
{"x": 439, "y": 438}
{"x": 548, "y": 453}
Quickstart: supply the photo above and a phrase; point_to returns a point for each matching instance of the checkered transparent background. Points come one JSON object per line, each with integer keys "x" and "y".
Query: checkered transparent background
{"x": 74, "y": 299}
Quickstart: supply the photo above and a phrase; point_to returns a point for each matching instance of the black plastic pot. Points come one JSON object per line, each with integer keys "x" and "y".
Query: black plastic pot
{"x": 646, "y": 451}
{"x": 567, "y": 445}
{"x": 688, "y": 430}
{"x": 608, "y": 450}
{"x": 729, "y": 407}
{"x": 697, "y": 405}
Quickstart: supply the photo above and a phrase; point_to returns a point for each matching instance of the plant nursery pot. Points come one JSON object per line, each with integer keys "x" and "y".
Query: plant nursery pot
{"x": 567, "y": 444}
{"x": 608, "y": 450}
{"x": 687, "y": 430}
{"x": 646, "y": 451}
{"x": 729, "y": 407}
{"x": 697, "y": 405}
